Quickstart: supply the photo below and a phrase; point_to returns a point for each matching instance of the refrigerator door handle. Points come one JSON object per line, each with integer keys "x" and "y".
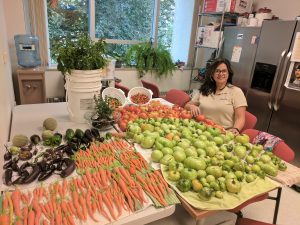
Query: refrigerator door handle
{"x": 275, "y": 82}
{"x": 281, "y": 88}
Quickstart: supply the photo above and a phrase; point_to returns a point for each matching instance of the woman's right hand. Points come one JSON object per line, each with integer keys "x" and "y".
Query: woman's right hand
{"x": 195, "y": 110}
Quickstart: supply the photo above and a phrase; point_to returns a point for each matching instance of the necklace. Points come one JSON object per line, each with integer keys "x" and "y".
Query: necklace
{"x": 220, "y": 89}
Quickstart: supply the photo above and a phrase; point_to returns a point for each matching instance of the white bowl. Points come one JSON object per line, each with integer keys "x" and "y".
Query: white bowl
{"x": 139, "y": 90}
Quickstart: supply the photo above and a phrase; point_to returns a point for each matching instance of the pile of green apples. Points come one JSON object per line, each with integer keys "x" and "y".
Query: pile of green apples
{"x": 201, "y": 158}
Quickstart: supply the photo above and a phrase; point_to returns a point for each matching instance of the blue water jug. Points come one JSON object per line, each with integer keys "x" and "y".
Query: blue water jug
{"x": 28, "y": 53}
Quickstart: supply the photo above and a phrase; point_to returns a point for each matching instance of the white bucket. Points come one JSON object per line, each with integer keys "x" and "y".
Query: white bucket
{"x": 76, "y": 82}
{"x": 83, "y": 74}
{"x": 80, "y": 101}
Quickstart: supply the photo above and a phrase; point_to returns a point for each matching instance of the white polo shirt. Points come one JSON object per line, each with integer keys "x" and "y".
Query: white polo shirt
{"x": 220, "y": 107}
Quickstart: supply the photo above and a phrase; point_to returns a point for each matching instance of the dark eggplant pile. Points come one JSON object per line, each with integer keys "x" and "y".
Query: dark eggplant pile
{"x": 39, "y": 162}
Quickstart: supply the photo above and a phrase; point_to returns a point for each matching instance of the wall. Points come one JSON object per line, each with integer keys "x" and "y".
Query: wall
{"x": 286, "y": 10}
{"x": 54, "y": 81}
{"x": 6, "y": 87}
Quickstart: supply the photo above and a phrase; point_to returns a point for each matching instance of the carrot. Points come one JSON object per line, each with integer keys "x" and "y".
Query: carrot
{"x": 71, "y": 208}
{"x": 45, "y": 222}
{"x": 58, "y": 219}
{"x": 108, "y": 203}
{"x": 89, "y": 206}
{"x": 101, "y": 208}
{"x": 11, "y": 211}
{"x": 65, "y": 220}
{"x": 4, "y": 220}
{"x": 76, "y": 204}
{"x": 126, "y": 193}
{"x": 31, "y": 216}
{"x": 71, "y": 220}
{"x": 19, "y": 222}
{"x": 25, "y": 214}
{"x": 83, "y": 206}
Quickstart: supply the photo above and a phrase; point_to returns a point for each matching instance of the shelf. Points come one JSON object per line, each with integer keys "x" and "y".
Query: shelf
{"x": 201, "y": 46}
{"x": 226, "y": 14}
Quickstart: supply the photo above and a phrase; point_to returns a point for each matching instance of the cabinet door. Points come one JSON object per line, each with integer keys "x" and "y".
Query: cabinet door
{"x": 31, "y": 86}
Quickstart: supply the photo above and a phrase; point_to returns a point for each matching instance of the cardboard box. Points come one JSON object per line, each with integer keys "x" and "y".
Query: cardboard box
{"x": 233, "y": 6}
{"x": 211, "y": 37}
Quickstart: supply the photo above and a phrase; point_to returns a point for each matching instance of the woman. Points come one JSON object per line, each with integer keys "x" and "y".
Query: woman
{"x": 218, "y": 99}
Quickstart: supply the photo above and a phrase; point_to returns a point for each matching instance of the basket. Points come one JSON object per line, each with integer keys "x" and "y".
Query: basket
{"x": 139, "y": 90}
{"x": 114, "y": 93}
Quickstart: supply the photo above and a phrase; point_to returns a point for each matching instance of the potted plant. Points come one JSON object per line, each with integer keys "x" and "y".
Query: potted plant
{"x": 83, "y": 60}
{"x": 80, "y": 53}
{"x": 146, "y": 57}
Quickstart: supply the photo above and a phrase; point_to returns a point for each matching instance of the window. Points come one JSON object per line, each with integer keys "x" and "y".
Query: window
{"x": 124, "y": 22}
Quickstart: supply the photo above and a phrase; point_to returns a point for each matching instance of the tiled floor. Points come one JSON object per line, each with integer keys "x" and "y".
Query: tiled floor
{"x": 289, "y": 211}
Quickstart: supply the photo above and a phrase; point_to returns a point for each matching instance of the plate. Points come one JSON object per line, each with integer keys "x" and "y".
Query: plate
{"x": 101, "y": 124}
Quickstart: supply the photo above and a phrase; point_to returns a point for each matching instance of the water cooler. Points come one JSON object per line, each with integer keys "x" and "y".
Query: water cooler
{"x": 27, "y": 47}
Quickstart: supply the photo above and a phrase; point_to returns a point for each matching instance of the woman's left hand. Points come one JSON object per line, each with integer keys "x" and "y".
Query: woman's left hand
{"x": 234, "y": 131}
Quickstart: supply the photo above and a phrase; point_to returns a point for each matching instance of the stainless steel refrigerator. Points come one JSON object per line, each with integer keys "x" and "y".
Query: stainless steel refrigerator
{"x": 270, "y": 95}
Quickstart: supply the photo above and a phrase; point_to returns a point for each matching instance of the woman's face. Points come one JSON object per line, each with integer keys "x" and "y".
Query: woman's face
{"x": 221, "y": 74}
{"x": 297, "y": 74}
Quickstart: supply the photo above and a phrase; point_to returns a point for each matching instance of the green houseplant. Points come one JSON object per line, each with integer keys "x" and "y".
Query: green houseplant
{"x": 145, "y": 57}
{"x": 80, "y": 53}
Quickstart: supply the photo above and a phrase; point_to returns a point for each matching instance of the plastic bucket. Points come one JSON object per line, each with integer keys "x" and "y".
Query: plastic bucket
{"x": 76, "y": 82}
{"x": 84, "y": 74}
{"x": 80, "y": 101}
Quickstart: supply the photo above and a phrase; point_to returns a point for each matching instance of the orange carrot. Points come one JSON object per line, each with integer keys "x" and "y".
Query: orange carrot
{"x": 83, "y": 206}
{"x": 45, "y": 222}
{"x": 89, "y": 206}
{"x": 101, "y": 208}
{"x": 109, "y": 205}
{"x": 4, "y": 220}
{"x": 25, "y": 214}
{"x": 31, "y": 216}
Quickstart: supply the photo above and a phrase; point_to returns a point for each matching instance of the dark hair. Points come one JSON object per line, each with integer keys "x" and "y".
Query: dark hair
{"x": 298, "y": 67}
{"x": 209, "y": 85}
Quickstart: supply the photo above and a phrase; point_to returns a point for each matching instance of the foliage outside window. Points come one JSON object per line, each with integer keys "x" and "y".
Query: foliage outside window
{"x": 120, "y": 23}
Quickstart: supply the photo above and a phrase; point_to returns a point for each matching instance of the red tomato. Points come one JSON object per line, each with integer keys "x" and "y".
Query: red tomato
{"x": 209, "y": 122}
{"x": 122, "y": 125}
{"x": 200, "y": 118}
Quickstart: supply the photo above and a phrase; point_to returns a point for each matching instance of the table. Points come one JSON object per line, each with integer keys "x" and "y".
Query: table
{"x": 28, "y": 119}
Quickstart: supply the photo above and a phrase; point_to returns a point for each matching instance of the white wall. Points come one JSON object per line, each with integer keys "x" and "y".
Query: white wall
{"x": 284, "y": 9}
{"x": 6, "y": 87}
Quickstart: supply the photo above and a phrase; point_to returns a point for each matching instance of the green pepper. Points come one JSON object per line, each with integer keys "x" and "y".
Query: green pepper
{"x": 48, "y": 142}
{"x": 108, "y": 135}
{"x": 282, "y": 166}
{"x": 79, "y": 133}
{"x": 69, "y": 134}
{"x": 189, "y": 173}
{"x": 56, "y": 139}
{"x": 173, "y": 175}
{"x": 205, "y": 193}
{"x": 184, "y": 185}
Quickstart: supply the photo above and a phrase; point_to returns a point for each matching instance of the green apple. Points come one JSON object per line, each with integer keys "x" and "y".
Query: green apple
{"x": 201, "y": 152}
{"x": 219, "y": 141}
{"x": 166, "y": 159}
{"x": 239, "y": 175}
{"x": 138, "y": 138}
{"x": 147, "y": 142}
{"x": 242, "y": 138}
{"x": 183, "y": 144}
{"x": 233, "y": 185}
{"x": 166, "y": 151}
{"x": 214, "y": 131}
{"x": 258, "y": 147}
{"x": 211, "y": 150}
{"x": 201, "y": 173}
{"x": 156, "y": 155}
{"x": 249, "y": 178}
{"x": 188, "y": 173}
{"x": 240, "y": 151}
{"x": 177, "y": 148}
{"x": 179, "y": 155}
{"x": 202, "y": 137}
{"x": 191, "y": 151}
{"x": 250, "y": 159}
{"x": 210, "y": 178}
{"x": 199, "y": 144}
{"x": 195, "y": 163}
{"x": 265, "y": 158}
{"x": 216, "y": 171}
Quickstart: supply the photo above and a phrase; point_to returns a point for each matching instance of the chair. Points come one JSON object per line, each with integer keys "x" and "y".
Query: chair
{"x": 152, "y": 87}
{"x": 177, "y": 97}
{"x": 247, "y": 221}
{"x": 123, "y": 88}
{"x": 283, "y": 151}
{"x": 250, "y": 121}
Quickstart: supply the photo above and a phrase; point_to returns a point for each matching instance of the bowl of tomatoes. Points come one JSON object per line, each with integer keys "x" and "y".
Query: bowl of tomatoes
{"x": 116, "y": 97}
{"x": 139, "y": 96}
